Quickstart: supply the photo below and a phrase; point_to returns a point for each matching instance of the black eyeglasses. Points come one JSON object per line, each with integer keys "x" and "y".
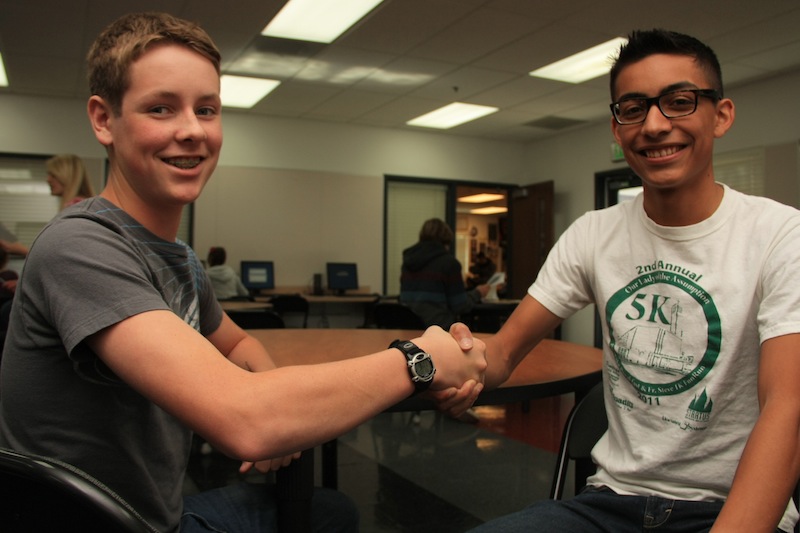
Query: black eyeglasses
{"x": 673, "y": 104}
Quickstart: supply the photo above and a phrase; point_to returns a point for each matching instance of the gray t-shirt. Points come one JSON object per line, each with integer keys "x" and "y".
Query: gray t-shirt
{"x": 91, "y": 267}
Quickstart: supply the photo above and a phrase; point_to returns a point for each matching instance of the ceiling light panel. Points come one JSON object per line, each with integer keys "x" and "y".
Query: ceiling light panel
{"x": 244, "y": 92}
{"x": 488, "y": 210}
{"x": 481, "y": 198}
{"x": 589, "y": 64}
{"x": 320, "y": 21}
{"x": 452, "y": 115}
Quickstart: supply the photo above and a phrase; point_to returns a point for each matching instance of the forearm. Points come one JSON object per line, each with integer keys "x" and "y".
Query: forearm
{"x": 302, "y": 406}
{"x": 766, "y": 475}
{"x": 526, "y": 327}
{"x": 250, "y": 354}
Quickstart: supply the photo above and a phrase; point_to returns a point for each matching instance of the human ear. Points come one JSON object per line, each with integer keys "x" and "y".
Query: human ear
{"x": 726, "y": 112}
{"x": 614, "y": 130}
{"x": 100, "y": 117}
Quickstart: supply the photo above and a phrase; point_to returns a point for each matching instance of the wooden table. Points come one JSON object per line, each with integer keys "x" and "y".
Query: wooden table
{"x": 235, "y": 305}
{"x": 552, "y": 368}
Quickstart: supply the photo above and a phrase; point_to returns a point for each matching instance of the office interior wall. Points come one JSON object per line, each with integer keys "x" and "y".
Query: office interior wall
{"x": 298, "y": 219}
{"x": 766, "y": 116}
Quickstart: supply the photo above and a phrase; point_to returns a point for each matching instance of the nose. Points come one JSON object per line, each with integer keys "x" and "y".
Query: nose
{"x": 655, "y": 123}
{"x": 190, "y": 128}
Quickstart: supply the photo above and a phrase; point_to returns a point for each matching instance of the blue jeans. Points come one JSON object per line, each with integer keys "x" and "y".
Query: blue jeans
{"x": 250, "y": 508}
{"x": 603, "y": 511}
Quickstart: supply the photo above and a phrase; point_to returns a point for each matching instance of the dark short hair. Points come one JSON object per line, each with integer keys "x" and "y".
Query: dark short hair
{"x": 644, "y": 43}
{"x": 216, "y": 256}
{"x": 437, "y": 230}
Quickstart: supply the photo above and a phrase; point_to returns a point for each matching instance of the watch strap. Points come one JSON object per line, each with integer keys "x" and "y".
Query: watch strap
{"x": 416, "y": 356}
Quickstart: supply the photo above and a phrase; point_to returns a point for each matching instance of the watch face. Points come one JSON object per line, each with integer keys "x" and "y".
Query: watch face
{"x": 423, "y": 367}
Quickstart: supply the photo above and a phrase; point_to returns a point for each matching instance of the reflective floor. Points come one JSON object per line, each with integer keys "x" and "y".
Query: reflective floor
{"x": 436, "y": 474}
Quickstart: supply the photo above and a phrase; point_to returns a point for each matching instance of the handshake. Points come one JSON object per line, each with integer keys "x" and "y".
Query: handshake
{"x": 460, "y": 363}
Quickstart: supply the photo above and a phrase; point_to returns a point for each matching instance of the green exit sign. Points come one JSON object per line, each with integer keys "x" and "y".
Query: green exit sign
{"x": 616, "y": 153}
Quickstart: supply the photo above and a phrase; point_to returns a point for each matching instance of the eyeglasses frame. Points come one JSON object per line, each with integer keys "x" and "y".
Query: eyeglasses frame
{"x": 656, "y": 100}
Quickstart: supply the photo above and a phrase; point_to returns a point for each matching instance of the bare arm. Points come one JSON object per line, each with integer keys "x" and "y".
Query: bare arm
{"x": 260, "y": 415}
{"x": 240, "y": 348}
{"x": 770, "y": 463}
{"x": 528, "y": 324}
{"x": 14, "y": 248}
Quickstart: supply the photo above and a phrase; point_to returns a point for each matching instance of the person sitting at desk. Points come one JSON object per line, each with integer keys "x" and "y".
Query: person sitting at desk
{"x": 480, "y": 271}
{"x": 431, "y": 279}
{"x": 225, "y": 282}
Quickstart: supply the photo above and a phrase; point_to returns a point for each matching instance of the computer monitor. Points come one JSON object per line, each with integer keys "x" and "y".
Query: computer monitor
{"x": 342, "y": 277}
{"x": 258, "y": 275}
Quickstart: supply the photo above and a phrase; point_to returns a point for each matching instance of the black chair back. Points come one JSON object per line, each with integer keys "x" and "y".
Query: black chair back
{"x": 391, "y": 315}
{"x": 585, "y": 425}
{"x": 42, "y": 494}
{"x": 287, "y": 304}
{"x": 257, "y": 319}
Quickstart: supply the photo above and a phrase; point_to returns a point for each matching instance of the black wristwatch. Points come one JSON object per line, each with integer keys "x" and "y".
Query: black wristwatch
{"x": 420, "y": 364}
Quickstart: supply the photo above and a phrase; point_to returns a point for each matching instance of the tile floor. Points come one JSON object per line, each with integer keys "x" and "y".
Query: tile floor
{"x": 438, "y": 475}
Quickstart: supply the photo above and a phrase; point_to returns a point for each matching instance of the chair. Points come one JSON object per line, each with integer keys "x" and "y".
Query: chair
{"x": 42, "y": 494}
{"x": 390, "y": 315}
{"x": 286, "y": 304}
{"x": 585, "y": 425}
{"x": 259, "y": 319}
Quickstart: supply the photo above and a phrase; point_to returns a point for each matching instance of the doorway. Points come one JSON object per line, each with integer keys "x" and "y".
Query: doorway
{"x": 478, "y": 223}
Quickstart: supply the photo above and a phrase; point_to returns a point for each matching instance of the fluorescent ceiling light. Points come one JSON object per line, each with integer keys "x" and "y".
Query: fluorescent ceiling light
{"x": 488, "y": 210}
{"x": 451, "y": 115}
{"x": 582, "y": 66}
{"x": 240, "y": 91}
{"x": 481, "y": 198}
{"x": 319, "y": 21}
{"x": 3, "y": 77}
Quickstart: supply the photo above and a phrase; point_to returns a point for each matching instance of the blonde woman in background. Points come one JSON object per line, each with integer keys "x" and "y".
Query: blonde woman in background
{"x": 67, "y": 177}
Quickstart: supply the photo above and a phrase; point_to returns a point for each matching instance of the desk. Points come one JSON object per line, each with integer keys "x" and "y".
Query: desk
{"x": 489, "y": 316}
{"x": 552, "y": 368}
{"x": 364, "y": 300}
{"x": 235, "y": 305}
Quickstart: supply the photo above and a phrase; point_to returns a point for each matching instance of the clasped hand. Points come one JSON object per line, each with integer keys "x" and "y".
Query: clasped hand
{"x": 460, "y": 368}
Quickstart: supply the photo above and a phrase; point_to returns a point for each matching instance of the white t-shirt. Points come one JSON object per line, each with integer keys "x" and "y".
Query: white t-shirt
{"x": 684, "y": 311}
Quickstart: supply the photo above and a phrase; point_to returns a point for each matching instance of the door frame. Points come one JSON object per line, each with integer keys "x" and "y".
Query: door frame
{"x": 450, "y": 204}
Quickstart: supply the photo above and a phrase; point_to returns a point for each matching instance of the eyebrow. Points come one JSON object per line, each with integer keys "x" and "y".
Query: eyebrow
{"x": 669, "y": 88}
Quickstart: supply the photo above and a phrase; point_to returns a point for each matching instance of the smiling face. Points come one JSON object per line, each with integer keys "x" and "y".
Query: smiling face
{"x": 670, "y": 153}
{"x": 164, "y": 144}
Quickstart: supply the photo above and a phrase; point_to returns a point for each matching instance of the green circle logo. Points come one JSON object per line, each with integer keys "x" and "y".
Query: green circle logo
{"x": 648, "y": 321}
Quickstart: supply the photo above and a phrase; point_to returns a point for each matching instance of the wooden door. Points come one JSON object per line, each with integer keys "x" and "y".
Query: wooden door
{"x": 531, "y": 234}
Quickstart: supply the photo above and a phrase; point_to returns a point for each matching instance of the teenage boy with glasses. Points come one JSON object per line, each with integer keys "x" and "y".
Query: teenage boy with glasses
{"x": 696, "y": 285}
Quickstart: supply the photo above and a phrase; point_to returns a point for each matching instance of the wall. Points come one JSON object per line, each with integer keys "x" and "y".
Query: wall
{"x": 766, "y": 116}
{"x": 298, "y": 219}
{"x": 321, "y": 185}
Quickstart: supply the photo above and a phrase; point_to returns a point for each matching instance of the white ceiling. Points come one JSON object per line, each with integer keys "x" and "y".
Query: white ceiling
{"x": 409, "y": 57}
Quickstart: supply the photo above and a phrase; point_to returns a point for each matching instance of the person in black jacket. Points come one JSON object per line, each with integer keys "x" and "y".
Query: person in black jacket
{"x": 431, "y": 279}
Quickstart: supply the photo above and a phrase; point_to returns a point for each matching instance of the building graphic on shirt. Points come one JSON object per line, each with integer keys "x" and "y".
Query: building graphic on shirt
{"x": 700, "y": 408}
{"x": 669, "y": 336}
{"x": 656, "y": 348}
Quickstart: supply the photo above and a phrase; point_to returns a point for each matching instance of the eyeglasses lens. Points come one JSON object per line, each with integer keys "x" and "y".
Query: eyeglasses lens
{"x": 672, "y": 105}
